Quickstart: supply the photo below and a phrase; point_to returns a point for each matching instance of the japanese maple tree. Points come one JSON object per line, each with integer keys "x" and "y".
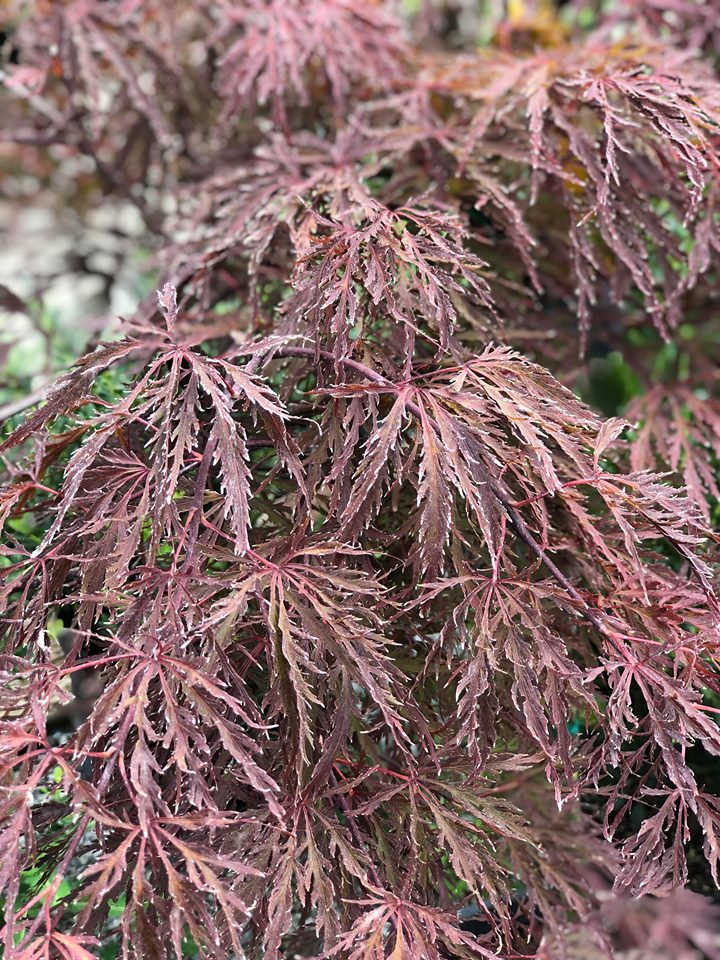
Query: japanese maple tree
{"x": 388, "y": 621}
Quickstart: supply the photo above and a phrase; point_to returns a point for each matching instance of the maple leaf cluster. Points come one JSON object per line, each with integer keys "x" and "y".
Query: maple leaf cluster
{"x": 387, "y": 621}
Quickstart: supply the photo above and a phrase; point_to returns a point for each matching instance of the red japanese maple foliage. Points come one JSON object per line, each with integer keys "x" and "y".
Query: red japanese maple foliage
{"x": 388, "y": 621}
